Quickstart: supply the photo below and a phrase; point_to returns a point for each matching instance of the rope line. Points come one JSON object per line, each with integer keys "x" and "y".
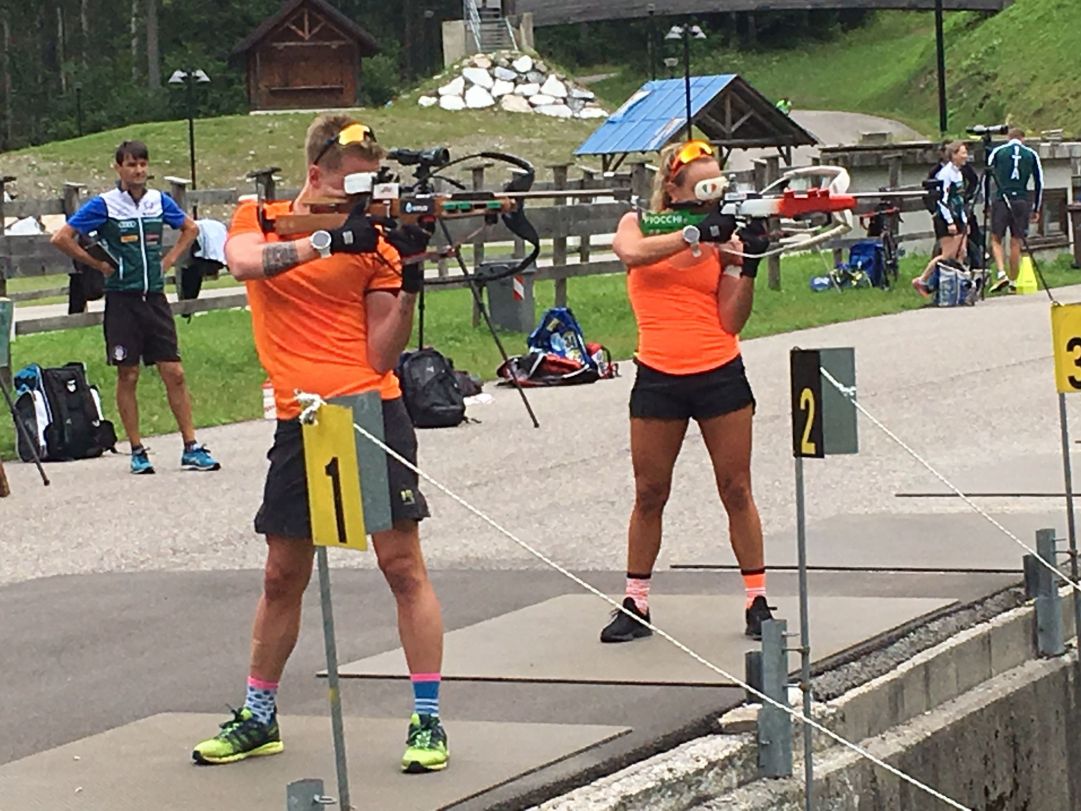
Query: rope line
{"x": 850, "y": 395}
{"x": 312, "y": 403}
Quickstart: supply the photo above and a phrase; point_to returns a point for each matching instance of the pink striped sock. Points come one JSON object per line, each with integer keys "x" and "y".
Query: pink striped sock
{"x": 638, "y": 590}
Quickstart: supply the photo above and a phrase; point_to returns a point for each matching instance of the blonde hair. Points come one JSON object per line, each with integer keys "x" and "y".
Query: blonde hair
{"x": 326, "y": 127}
{"x": 659, "y": 199}
{"x": 953, "y": 148}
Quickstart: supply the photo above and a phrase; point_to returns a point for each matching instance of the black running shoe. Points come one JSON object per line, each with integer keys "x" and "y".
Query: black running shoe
{"x": 758, "y": 612}
{"x": 624, "y": 629}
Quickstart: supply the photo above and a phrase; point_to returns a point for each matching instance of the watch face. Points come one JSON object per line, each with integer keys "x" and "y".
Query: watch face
{"x": 320, "y": 240}
{"x": 691, "y": 233}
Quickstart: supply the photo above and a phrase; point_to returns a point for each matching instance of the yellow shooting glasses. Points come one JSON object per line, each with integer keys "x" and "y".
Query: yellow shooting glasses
{"x": 352, "y": 134}
{"x": 689, "y": 153}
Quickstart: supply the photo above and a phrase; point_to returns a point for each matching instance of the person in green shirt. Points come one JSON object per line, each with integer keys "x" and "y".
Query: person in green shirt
{"x": 129, "y": 222}
{"x": 1010, "y": 168}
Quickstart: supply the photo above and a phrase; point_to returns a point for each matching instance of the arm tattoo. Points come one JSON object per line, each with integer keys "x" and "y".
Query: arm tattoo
{"x": 278, "y": 258}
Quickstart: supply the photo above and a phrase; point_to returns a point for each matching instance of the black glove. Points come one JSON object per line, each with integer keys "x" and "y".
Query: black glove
{"x": 755, "y": 240}
{"x": 357, "y": 234}
{"x": 409, "y": 240}
{"x": 717, "y": 227}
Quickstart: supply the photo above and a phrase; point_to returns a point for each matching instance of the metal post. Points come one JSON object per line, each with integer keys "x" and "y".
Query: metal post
{"x": 1071, "y": 525}
{"x": 804, "y": 637}
{"x": 1049, "y": 640}
{"x": 79, "y": 108}
{"x": 687, "y": 73}
{"x": 774, "y": 724}
{"x": 332, "y": 679}
{"x": 940, "y": 47}
{"x": 191, "y": 136}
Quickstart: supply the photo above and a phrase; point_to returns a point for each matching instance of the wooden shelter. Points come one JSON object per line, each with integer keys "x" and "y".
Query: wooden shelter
{"x": 307, "y": 55}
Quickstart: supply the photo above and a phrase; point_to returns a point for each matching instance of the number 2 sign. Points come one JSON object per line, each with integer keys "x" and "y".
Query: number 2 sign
{"x": 334, "y": 495}
{"x": 807, "y": 426}
{"x": 1066, "y": 334}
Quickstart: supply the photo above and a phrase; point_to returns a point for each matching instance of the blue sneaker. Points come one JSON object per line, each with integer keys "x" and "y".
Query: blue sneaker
{"x": 198, "y": 458}
{"x": 140, "y": 462}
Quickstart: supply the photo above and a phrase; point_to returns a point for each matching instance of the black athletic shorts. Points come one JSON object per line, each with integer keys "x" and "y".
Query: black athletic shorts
{"x": 942, "y": 228}
{"x": 284, "y": 511}
{"x": 138, "y": 326}
{"x": 1016, "y": 222}
{"x": 661, "y": 396}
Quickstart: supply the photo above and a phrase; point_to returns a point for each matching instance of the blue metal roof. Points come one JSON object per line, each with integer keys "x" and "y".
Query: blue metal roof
{"x": 653, "y": 116}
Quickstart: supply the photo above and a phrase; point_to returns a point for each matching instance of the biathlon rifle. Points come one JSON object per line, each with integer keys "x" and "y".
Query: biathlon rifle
{"x": 795, "y": 208}
{"x": 384, "y": 196}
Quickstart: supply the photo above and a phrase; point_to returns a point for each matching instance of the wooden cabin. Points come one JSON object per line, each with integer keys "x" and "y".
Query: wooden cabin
{"x": 305, "y": 56}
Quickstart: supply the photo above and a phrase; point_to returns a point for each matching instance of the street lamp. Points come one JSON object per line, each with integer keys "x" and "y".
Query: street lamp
{"x": 686, "y": 33}
{"x": 670, "y": 62}
{"x": 190, "y": 78}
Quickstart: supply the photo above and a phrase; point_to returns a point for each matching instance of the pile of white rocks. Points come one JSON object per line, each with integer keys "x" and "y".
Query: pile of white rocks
{"x": 517, "y": 83}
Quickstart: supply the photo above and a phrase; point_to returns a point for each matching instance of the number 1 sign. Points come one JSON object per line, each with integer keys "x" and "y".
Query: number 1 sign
{"x": 334, "y": 495}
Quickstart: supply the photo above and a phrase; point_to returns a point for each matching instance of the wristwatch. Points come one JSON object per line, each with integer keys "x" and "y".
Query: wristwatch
{"x": 692, "y": 236}
{"x": 320, "y": 240}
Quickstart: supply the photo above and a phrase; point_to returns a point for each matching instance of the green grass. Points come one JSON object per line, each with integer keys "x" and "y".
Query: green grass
{"x": 231, "y": 146}
{"x": 225, "y": 377}
{"x": 1020, "y": 64}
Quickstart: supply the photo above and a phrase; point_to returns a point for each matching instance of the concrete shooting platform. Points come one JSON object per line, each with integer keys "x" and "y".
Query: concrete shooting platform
{"x": 141, "y": 765}
{"x": 557, "y": 640}
{"x": 913, "y": 541}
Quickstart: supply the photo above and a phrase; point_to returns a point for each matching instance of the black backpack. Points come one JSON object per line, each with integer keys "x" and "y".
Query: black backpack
{"x": 430, "y": 389}
{"x": 62, "y": 414}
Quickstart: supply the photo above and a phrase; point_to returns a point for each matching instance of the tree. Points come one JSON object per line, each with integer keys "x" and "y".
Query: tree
{"x": 153, "y": 59}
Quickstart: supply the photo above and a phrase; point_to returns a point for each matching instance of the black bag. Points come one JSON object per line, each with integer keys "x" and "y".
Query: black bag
{"x": 430, "y": 389}
{"x": 62, "y": 414}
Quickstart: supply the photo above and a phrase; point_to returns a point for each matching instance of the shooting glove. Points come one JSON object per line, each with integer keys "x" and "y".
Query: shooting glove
{"x": 755, "y": 240}
{"x": 410, "y": 241}
{"x": 357, "y": 234}
{"x": 717, "y": 227}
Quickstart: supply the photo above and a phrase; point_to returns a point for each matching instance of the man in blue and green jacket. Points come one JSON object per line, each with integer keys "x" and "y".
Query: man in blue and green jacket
{"x": 128, "y": 223}
{"x": 1010, "y": 168}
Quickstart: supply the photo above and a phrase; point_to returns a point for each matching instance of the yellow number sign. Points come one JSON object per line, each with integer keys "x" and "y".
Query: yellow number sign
{"x": 1066, "y": 334}
{"x": 330, "y": 459}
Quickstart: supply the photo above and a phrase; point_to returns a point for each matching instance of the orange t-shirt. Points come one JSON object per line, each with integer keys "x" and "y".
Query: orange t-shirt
{"x": 310, "y": 323}
{"x": 679, "y": 320}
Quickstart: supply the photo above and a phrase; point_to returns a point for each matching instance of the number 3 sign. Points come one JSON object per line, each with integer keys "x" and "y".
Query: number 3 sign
{"x": 1066, "y": 334}
{"x": 334, "y": 494}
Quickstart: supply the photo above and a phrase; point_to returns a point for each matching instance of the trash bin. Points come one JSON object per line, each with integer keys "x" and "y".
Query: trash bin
{"x": 510, "y": 299}
{"x": 1074, "y": 210}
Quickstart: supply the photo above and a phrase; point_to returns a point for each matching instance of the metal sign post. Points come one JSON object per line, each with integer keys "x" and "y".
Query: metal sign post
{"x": 823, "y": 422}
{"x": 1066, "y": 337}
{"x": 343, "y": 512}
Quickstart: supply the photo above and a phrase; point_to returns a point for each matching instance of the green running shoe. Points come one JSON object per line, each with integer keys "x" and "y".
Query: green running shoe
{"x": 242, "y": 736}
{"x": 425, "y": 746}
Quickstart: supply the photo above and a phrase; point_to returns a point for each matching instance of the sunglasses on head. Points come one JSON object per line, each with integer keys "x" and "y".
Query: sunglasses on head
{"x": 352, "y": 134}
{"x": 689, "y": 153}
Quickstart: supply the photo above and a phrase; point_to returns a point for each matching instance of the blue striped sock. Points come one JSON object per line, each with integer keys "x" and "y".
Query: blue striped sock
{"x": 425, "y": 693}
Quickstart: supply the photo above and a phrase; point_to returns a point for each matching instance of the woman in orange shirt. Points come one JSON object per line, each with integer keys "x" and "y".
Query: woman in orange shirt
{"x": 691, "y": 299}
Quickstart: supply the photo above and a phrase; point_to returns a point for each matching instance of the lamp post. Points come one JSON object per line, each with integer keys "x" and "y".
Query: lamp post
{"x": 651, "y": 10}
{"x": 432, "y": 46}
{"x": 190, "y": 78}
{"x": 686, "y": 33}
{"x": 940, "y": 54}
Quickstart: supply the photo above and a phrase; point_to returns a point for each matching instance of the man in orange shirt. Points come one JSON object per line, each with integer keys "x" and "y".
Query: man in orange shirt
{"x": 331, "y": 312}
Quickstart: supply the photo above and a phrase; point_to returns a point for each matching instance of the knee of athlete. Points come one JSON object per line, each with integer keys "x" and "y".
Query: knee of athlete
{"x": 282, "y": 584}
{"x": 127, "y": 375}
{"x": 404, "y": 575}
{"x": 651, "y": 496}
{"x": 172, "y": 375}
{"x": 736, "y": 494}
